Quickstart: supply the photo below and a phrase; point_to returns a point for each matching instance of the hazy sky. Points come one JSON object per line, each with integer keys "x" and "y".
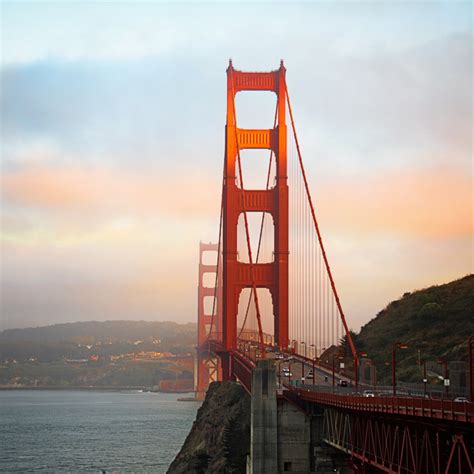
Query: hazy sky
{"x": 112, "y": 135}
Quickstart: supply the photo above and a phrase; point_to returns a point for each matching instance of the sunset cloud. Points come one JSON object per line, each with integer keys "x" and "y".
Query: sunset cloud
{"x": 423, "y": 203}
{"x": 95, "y": 190}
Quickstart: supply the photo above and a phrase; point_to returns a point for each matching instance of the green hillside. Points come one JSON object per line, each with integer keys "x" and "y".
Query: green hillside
{"x": 435, "y": 322}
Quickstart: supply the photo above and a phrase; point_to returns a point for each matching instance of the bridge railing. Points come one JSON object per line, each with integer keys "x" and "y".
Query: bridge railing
{"x": 410, "y": 406}
{"x": 242, "y": 369}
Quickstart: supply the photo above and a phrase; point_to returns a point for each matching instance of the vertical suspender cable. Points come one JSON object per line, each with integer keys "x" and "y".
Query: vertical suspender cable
{"x": 216, "y": 282}
{"x": 328, "y": 269}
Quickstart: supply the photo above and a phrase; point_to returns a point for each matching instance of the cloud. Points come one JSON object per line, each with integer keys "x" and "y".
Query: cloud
{"x": 422, "y": 203}
{"x": 107, "y": 30}
{"x": 100, "y": 190}
{"x": 408, "y": 109}
{"x": 367, "y": 111}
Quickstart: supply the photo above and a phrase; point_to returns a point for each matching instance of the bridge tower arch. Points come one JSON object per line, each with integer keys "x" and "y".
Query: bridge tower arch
{"x": 237, "y": 200}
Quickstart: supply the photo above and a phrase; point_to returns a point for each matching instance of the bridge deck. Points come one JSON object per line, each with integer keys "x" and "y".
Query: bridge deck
{"x": 418, "y": 407}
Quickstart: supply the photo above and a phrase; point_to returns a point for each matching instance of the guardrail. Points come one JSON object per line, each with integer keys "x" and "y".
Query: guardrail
{"x": 408, "y": 406}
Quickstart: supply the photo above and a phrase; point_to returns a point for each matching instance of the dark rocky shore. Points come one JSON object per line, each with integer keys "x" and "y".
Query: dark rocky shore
{"x": 219, "y": 440}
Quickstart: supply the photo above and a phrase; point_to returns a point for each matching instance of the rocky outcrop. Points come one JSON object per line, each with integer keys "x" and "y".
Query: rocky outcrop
{"x": 219, "y": 440}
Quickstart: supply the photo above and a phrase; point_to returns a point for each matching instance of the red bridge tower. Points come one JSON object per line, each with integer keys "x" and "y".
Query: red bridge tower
{"x": 238, "y": 275}
{"x": 207, "y": 365}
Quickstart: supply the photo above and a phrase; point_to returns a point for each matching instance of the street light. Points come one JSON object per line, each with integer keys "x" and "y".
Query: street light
{"x": 314, "y": 360}
{"x": 373, "y": 369}
{"x": 356, "y": 366}
{"x": 469, "y": 357}
{"x": 425, "y": 379}
{"x": 397, "y": 345}
{"x": 302, "y": 363}
{"x": 304, "y": 348}
{"x": 444, "y": 362}
{"x": 339, "y": 356}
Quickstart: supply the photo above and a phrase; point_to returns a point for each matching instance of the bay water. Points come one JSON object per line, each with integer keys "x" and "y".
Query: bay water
{"x": 91, "y": 431}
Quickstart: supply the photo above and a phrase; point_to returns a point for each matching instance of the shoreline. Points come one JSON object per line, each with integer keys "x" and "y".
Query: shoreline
{"x": 95, "y": 387}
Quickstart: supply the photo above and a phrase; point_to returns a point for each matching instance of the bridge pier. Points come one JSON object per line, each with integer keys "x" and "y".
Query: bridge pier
{"x": 263, "y": 420}
{"x": 283, "y": 438}
{"x": 294, "y": 439}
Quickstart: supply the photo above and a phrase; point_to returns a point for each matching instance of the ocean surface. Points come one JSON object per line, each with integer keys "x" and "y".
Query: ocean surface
{"x": 90, "y": 431}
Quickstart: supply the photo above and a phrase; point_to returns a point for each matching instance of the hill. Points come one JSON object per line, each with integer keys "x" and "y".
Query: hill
{"x": 95, "y": 331}
{"x": 97, "y": 354}
{"x": 74, "y": 340}
{"x": 435, "y": 322}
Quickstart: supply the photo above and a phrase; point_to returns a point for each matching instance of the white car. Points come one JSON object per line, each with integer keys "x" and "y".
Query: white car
{"x": 461, "y": 399}
{"x": 368, "y": 394}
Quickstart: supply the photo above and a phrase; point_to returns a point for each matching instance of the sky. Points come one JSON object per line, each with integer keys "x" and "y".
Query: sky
{"x": 112, "y": 141}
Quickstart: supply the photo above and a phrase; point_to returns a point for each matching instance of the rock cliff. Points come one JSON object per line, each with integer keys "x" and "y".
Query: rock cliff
{"x": 219, "y": 440}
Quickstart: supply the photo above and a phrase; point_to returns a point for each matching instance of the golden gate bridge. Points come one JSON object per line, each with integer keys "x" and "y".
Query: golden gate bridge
{"x": 274, "y": 298}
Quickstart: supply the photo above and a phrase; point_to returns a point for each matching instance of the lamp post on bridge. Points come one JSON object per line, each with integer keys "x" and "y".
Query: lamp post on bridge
{"x": 469, "y": 358}
{"x": 302, "y": 363}
{"x": 373, "y": 369}
{"x": 425, "y": 379}
{"x": 444, "y": 362}
{"x": 339, "y": 355}
{"x": 397, "y": 345}
{"x": 359, "y": 355}
{"x": 314, "y": 362}
{"x": 356, "y": 372}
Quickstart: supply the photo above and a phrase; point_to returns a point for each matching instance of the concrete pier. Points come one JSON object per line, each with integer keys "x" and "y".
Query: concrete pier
{"x": 294, "y": 439}
{"x": 263, "y": 420}
{"x": 283, "y": 438}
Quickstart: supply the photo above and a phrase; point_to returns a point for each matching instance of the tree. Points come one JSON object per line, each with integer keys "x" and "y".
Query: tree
{"x": 343, "y": 342}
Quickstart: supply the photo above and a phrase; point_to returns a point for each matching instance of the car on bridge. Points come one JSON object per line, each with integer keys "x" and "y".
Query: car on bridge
{"x": 368, "y": 394}
{"x": 286, "y": 372}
